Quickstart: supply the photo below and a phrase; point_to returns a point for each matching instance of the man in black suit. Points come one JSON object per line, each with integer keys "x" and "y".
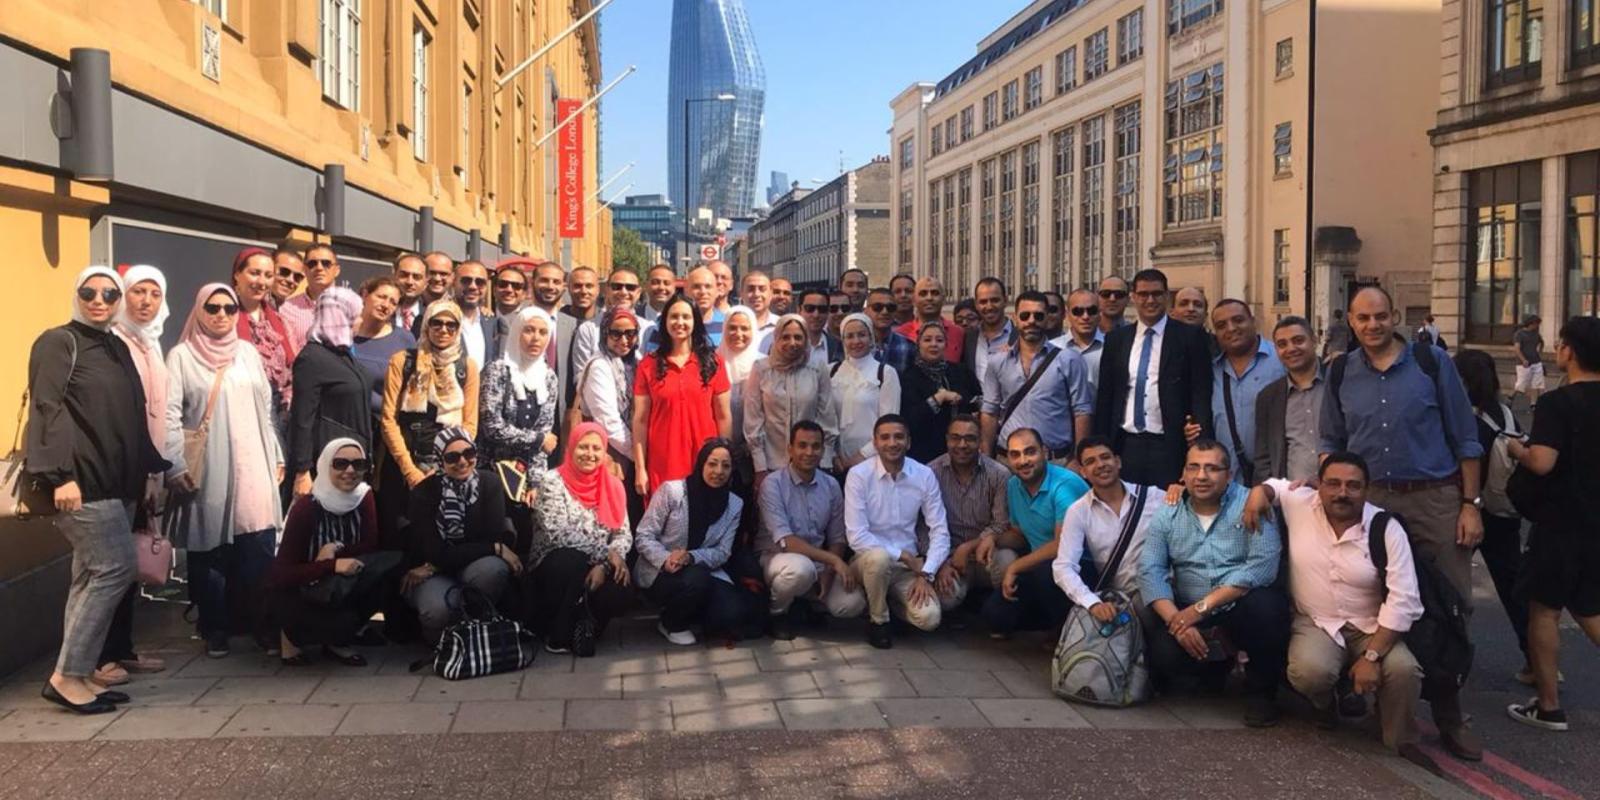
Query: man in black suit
{"x": 1155, "y": 377}
{"x": 1289, "y": 410}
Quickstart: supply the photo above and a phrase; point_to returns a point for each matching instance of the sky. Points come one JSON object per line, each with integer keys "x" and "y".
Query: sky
{"x": 832, "y": 68}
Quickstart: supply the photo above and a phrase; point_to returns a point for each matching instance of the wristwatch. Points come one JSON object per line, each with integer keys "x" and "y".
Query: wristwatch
{"x": 1203, "y": 607}
{"x": 1371, "y": 655}
{"x": 1476, "y": 502}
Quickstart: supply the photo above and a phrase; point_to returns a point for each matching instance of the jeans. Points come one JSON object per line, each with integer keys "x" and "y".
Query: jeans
{"x": 693, "y": 594}
{"x": 103, "y": 565}
{"x": 1040, "y": 604}
{"x": 1258, "y": 624}
{"x": 236, "y": 570}
{"x": 438, "y": 605}
{"x": 553, "y": 589}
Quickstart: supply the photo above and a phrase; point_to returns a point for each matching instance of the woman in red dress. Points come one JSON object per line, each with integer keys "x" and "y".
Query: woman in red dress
{"x": 680, "y": 398}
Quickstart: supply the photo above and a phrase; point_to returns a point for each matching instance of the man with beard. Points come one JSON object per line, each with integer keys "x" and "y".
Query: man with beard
{"x": 549, "y": 282}
{"x": 411, "y": 278}
{"x": 995, "y": 331}
{"x": 480, "y": 334}
{"x": 583, "y": 291}
{"x": 1245, "y": 366}
{"x": 904, "y": 289}
{"x": 1053, "y": 315}
{"x": 1038, "y": 495}
{"x": 1036, "y": 385}
{"x": 510, "y": 289}
{"x": 1289, "y": 410}
{"x": 893, "y": 349}
{"x": 782, "y": 296}
{"x": 853, "y": 282}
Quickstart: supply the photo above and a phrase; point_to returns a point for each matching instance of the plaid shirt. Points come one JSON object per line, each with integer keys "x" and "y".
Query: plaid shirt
{"x": 896, "y": 351}
{"x": 1198, "y": 560}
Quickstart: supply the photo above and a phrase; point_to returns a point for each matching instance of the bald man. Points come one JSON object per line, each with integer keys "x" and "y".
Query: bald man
{"x": 928, "y": 299}
{"x": 724, "y": 276}
{"x": 701, "y": 287}
{"x": 1190, "y": 305}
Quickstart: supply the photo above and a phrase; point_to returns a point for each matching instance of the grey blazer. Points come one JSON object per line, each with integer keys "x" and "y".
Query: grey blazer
{"x": 1271, "y": 459}
{"x": 665, "y": 527}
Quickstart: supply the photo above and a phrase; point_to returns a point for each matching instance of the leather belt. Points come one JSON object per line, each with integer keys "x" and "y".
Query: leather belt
{"x": 1406, "y": 487}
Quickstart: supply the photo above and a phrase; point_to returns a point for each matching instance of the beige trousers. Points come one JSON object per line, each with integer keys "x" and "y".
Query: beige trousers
{"x": 1316, "y": 662}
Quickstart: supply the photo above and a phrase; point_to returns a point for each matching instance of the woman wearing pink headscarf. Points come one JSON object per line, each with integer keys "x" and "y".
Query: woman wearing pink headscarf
{"x": 224, "y": 509}
{"x": 331, "y": 391}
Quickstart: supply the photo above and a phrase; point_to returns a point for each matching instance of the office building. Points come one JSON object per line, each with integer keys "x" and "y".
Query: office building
{"x": 779, "y": 185}
{"x": 812, "y": 236}
{"x": 653, "y": 218}
{"x": 714, "y": 57}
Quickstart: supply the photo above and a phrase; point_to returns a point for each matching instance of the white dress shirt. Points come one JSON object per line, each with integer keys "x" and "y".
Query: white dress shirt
{"x": 1152, "y": 381}
{"x": 1331, "y": 576}
{"x": 860, "y": 401}
{"x": 472, "y": 334}
{"x": 881, "y": 510}
{"x": 1091, "y": 522}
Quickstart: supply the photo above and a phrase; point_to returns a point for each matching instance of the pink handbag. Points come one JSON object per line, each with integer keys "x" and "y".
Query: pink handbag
{"x": 155, "y": 557}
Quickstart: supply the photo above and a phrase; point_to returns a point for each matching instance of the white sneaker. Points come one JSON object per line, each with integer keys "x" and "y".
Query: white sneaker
{"x": 682, "y": 638}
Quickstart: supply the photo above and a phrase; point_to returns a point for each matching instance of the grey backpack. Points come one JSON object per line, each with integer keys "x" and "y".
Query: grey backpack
{"x": 1099, "y": 663}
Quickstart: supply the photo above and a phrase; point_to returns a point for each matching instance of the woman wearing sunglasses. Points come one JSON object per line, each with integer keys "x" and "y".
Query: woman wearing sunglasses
{"x": 260, "y": 325}
{"x": 225, "y": 509}
{"x": 87, "y": 442}
{"x": 605, "y": 391}
{"x": 331, "y": 538}
{"x": 330, "y": 389}
{"x": 520, "y": 395}
{"x": 456, "y": 536}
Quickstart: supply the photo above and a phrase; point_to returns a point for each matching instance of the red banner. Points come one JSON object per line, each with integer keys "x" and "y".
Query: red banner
{"x": 569, "y": 166}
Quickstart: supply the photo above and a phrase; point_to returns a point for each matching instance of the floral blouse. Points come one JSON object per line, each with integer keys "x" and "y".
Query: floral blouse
{"x": 561, "y": 521}
{"x": 509, "y": 428}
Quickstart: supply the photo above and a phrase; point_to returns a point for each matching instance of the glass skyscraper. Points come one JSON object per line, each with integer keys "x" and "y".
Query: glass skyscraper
{"x": 713, "y": 54}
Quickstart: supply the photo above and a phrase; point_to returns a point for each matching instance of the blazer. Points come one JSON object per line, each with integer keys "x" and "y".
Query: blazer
{"x": 1271, "y": 459}
{"x": 969, "y": 348}
{"x": 1185, "y": 386}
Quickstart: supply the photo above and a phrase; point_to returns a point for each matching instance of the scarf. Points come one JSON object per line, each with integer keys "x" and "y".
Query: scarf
{"x": 738, "y": 362}
{"x": 146, "y": 335}
{"x": 866, "y": 365}
{"x": 272, "y": 342}
{"x": 624, "y": 365}
{"x": 215, "y": 352}
{"x": 598, "y": 490}
{"x": 706, "y": 504}
{"x": 434, "y": 382}
{"x": 334, "y": 318}
{"x": 529, "y": 372}
{"x": 776, "y": 359}
{"x": 83, "y": 278}
{"x": 455, "y": 495}
{"x": 328, "y": 496}
{"x": 938, "y": 367}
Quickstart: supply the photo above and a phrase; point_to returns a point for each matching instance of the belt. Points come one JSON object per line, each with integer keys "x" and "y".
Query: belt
{"x": 1061, "y": 453}
{"x": 1406, "y": 487}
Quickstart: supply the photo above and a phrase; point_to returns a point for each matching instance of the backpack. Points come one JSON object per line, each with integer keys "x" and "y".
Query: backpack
{"x": 1439, "y": 640}
{"x": 1103, "y": 664}
{"x": 1500, "y": 463}
{"x": 1426, "y": 360}
{"x": 482, "y": 642}
{"x": 834, "y": 370}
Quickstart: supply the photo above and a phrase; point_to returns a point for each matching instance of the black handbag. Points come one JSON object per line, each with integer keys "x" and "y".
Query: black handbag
{"x": 483, "y": 642}
{"x": 585, "y": 628}
{"x": 1535, "y": 497}
{"x": 334, "y": 589}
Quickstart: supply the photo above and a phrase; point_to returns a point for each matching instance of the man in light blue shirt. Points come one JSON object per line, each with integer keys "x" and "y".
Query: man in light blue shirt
{"x": 1057, "y": 405}
{"x": 1038, "y": 494}
{"x": 1083, "y": 333}
{"x": 1246, "y": 365}
{"x": 701, "y": 287}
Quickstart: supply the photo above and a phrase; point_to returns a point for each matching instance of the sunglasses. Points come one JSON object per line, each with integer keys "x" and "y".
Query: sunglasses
{"x": 473, "y": 281}
{"x": 624, "y": 287}
{"x": 221, "y": 308}
{"x": 839, "y": 309}
{"x": 109, "y": 295}
{"x": 320, "y": 262}
{"x": 812, "y": 308}
{"x": 285, "y": 272}
{"x": 620, "y": 333}
{"x": 444, "y": 325}
{"x": 346, "y": 464}
{"x": 518, "y": 285}
{"x": 1029, "y": 316}
{"x": 1084, "y": 311}
{"x": 469, "y": 454}
{"x": 1112, "y": 294}
{"x": 1053, "y": 309}
{"x": 882, "y": 307}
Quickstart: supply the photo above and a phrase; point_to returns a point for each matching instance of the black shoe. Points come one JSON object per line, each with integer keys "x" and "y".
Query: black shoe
{"x": 99, "y": 705}
{"x": 299, "y": 659}
{"x": 878, "y": 635}
{"x": 1326, "y": 719}
{"x": 113, "y": 697}
{"x": 779, "y": 628}
{"x": 351, "y": 660}
{"x": 1260, "y": 711}
{"x": 1530, "y": 713}
{"x": 370, "y": 636}
{"x": 217, "y": 645}
{"x": 1351, "y": 705}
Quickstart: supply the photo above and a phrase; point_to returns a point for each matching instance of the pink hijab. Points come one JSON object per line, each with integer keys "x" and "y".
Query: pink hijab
{"x": 213, "y": 351}
{"x": 598, "y": 490}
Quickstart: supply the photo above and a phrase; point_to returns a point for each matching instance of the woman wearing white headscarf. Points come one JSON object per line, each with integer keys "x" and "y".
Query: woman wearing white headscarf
{"x": 518, "y": 408}
{"x": 89, "y": 447}
{"x": 331, "y": 391}
{"x": 225, "y": 509}
{"x": 864, "y": 389}
{"x": 782, "y": 389}
{"x": 740, "y": 351}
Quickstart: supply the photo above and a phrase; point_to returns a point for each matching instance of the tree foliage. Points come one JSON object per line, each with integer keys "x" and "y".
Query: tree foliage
{"x": 628, "y": 250}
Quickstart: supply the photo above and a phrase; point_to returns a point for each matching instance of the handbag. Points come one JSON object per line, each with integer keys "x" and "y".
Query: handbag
{"x": 483, "y": 642}
{"x": 194, "y": 441}
{"x": 513, "y": 475}
{"x": 333, "y": 589}
{"x": 155, "y": 556}
{"x": 22, "y": 495}
{"x": 585, "y": 628}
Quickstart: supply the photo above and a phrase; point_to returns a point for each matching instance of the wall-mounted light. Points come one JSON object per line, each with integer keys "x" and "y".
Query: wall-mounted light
{"x": 80, "y": 116}
{"x": 333, "y": 199}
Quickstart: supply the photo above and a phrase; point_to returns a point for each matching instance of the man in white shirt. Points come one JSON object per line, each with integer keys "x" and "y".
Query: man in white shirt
{"x": 883, "y": 497}
{"x": 477, "y": 327}
{"x": 1348, "y": 618}
{"x": 1094, "y": 525}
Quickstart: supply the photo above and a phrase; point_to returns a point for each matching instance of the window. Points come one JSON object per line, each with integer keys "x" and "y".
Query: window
{"x": 1030, "y": 215}
{"x": 906, "y": 210}
{"x": 991, "y": 111}
{"x": 1503, "y": 214}
{"x": 936, "y": 140}
{"x": 1514, "y": 34}
{"x": 1192, "y": 172}
{"x": 1583, "y": 234}
{"x": 464, "y": 169}
{"x": 419, "y": 92}
{"x": 953, "y": 276}
{"x": 966, "y": 123}
{"x": 964, "y": 227}
{"x": 986, "y": 218}
{"x": 950, "y": 132}
{"x": 1127, "y": 142}
{"x": 1066, "y": 69}
{"x": 934, "y": 240}
{"x": 1585, "y": 32}
{"x": 1280, "y": 267}
{"x": 1130, "y": 37}
{"x": 908, "y": 152}
{"x": 340, "y": 23}
{"x": 1285, "y": 65}
{"x": 217, "y": 7}
{"x": 1008, "y": 215}
{"x": 1282, "y": 150}
{"x": 1096, "y": 58}
{"x": 1093, "y": 218}
{"x": 1008, "y": 102}
{"x": 1033, "y": 90}
{"x": 1185, "y": 14}
{"x": 1062, "y": 149}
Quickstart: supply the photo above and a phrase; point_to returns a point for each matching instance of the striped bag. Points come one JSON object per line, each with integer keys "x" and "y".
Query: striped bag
{"x": 483, "y": 642}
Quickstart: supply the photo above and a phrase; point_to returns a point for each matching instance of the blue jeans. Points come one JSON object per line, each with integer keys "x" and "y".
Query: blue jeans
{"x": 238, "y": 566}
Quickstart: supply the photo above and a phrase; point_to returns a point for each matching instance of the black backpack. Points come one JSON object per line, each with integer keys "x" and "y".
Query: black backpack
{"x": 1427, "y": 361}
{"x": 1439, "y": 640}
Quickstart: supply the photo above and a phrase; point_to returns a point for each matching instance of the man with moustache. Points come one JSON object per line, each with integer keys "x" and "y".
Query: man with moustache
{"x": 510, "y": 289}
{"x": 1289, "y": 410}
{"x": 782, "y": 296}
{"x": 1083, "y": 333}
{"x": 893, "y": 349}
{"x": 853, "y": 282}
{"x": 995, "y": 331}
{"x": 583, "y": 292}
{"x": 411, "y": 278}
{"x": 1053, "y": 314}
{"x": 1245, "y": 367}
{"x": 549, "y": 283}
{"x": 1093, "y": 525}
{"x": 1036, "y": 385}
{"x": 298, "y": 312}
{"x": 622, "y": 290}
{"x": 1038, "y": 495}
{"x": 838, "y": 308}
{"x": 478, "y": 328}
{"x": 904, "y": 289}
{"x": 973, "y": 487}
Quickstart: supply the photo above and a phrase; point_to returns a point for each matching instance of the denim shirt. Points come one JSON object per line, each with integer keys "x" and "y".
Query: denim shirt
{"x": 1199, "y": 560}
{"x": 1263, "y": 370}
{"x": 1404, "y": 424}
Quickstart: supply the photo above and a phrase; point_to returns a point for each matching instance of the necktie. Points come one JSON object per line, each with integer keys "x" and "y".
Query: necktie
{"x": 1141, "y": 377}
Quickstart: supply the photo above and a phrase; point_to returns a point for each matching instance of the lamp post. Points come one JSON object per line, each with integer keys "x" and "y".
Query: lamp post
{"x": 719, "y": 98}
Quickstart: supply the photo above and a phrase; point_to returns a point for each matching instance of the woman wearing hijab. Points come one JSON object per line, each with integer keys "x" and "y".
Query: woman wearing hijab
{"x": 680, "y": 398}
{"x": 739, "y": 353}
{"x": 782, "y": 389}
{"x": 331, "y": 535}
{"x": 377, "y": 339}
{"x": 225, "y": 509}
{"x": 140, "y": 321}
{"x": 88, "y": 444}
{"x": 685, "y": 538}
{"x": 457, "y": 536}
{"x": 577, "y": 562}
{"x": 331, "y": 397}
{"x": 864, "y": 389}
{"x": 520, "y": 395}
{"x": 426, "y": 389}
{"x": 260, "y": 325}
{"x": 932, "y": 391}
{"x": 605, "y": 391}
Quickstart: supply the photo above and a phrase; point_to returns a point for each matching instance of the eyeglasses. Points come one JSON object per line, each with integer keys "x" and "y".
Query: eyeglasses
{"x": 221, "y": 308}
{"x": 472, "y": 281}
{"x": 1052, "y": 309}
{"x": 444, "y": 325}
{"x": 623, "y": 287}
{"x": 1156, "y": 295}
{"x": 109, "y": 295}
{"x": 813, "y": 308}
{"x": 347, "y": 464}
{"x": 457, "y": 456}
{"x": 883, "y": 307}
{"x": 323, "y": 263}
{"x": 1112, "y": 294}
{"x": 1084, "y": 311}
{"x": 285, "y": 272}
{"x": 1029, "y": 316}
{"x": 518, "y": 285}
{"x": 621, "y": 333}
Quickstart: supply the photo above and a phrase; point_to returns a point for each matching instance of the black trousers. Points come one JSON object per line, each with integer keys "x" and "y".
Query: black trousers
{"x": 1502, "y": 554}
{"x": 119, "y": 637}
{"x": 693, "y": 595}
{"x": 554, "y": 588}
{"x": 1154, "y": 460}
{"x": 307, "y": 622}
{"x": 1040, "y": 604}
{"x": 1258, "y": 624}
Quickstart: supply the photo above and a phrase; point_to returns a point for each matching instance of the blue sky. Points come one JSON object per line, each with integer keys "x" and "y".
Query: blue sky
{"x": 832, "y": 68}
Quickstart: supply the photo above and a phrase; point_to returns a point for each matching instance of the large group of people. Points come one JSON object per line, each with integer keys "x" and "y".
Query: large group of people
{"x": 563, "y": 443}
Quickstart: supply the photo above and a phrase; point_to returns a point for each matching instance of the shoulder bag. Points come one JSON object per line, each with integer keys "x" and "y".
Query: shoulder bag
{"x": 194, "y": 441}
{"x": 1016, "y": 399}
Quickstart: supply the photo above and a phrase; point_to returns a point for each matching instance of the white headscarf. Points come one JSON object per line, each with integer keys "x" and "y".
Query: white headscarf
{"x": 528, "y": 372}
{"x": 83, "y": 278}
{"x": 147, "y": 334}
{"x": 867, "y": 365}
{"x": 740, "y": 363}
{"x": 328, "y": 496}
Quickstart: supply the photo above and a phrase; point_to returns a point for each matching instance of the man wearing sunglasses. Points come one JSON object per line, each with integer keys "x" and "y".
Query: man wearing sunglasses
{"x": 480, "y": 332}
{"x": 322, "y": 269}
{"x": 510, "y": 289}
{"x": 824, "y": 348}
{"x": 288, "y": 272}
{"x": 1036, "y": 385}
{"x": 839, "y": 307}
{"x": 622, "y": 289}
{"x": 928, "y": 298}
{"x": 1113, "y": 302}
{"x": 1083, "y": 333}
{"x": 782, "y": 296}
{"x": 893, "y": 349}
{"x": 1053, "y": 315}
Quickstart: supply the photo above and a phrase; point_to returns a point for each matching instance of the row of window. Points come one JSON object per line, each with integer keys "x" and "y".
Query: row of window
{"x": 1514, "y": 38}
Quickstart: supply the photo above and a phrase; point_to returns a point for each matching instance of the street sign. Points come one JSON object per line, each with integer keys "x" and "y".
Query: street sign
{"x": 710, "y": 252}
{"x": 722, "y": 239}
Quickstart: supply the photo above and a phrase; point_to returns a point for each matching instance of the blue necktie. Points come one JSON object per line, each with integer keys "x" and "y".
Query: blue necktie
{"x": 1140, "y": 379}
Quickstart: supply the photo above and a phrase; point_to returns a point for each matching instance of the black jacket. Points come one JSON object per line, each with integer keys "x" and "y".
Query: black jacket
{"x": 1271, "y": 451}
{"x": 928, "y": 426}
{"x": 485, "y": 525}
{"x": 1184, "y": 388}
{"x": 330, "y": 401}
